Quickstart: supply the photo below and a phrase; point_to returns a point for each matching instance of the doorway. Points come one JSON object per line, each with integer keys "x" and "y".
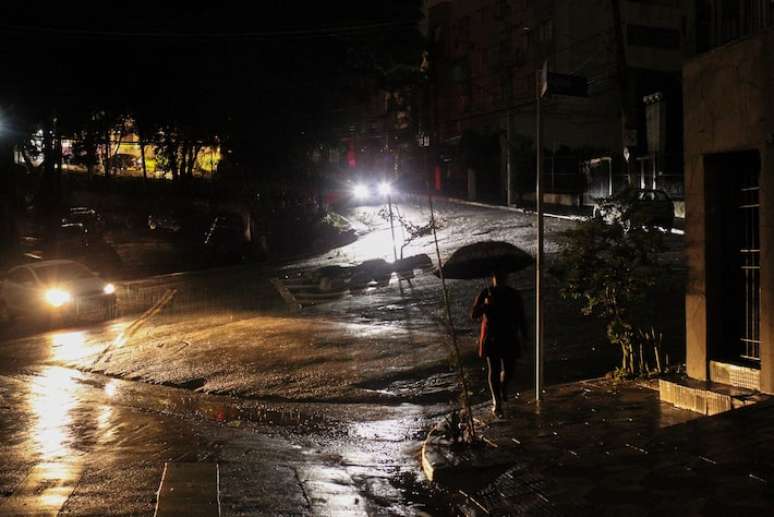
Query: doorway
{"x": 733, "y": 256}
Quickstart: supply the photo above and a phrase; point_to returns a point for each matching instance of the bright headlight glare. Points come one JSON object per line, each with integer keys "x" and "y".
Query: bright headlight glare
{"x": 385, "y": 188}
{"x": 57, "y": 297}
{"x": 109, "y": 289}
{"x": 360, "y": 191}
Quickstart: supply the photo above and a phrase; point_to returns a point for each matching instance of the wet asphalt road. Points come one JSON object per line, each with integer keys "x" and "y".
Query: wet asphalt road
{"x": 89, "y": 444}
{"x": 325, "y": 416}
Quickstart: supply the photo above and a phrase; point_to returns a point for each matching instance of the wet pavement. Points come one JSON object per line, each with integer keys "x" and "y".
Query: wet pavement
{"x": 605, "y": 448}
{"x": 320, "y": 410}
{"x": 87, "y": 444}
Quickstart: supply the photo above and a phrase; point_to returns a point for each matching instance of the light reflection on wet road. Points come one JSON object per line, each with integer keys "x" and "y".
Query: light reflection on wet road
{"x": 52, "y": 398}
{"x": 89, "y": 444}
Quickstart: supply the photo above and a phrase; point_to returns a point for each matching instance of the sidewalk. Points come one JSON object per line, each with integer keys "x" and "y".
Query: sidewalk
{"x": 597, "y": 447}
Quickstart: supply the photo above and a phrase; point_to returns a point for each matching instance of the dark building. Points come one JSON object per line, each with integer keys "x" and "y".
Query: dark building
{"x": 485, "y": 55}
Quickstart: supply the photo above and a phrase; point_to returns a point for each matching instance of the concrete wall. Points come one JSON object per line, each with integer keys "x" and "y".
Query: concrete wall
{"x": 727, "y": 108}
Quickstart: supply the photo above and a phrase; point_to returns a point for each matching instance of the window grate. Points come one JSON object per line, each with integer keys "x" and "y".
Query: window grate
{"x": 750, "y": 266}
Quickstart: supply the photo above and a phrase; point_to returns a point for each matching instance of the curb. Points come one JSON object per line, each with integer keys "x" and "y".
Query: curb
{"x": 442, "y": 468}
{"x": 428, "y": 467}
{"x": 443, "y": 465}
{"x": 464, "y": 202}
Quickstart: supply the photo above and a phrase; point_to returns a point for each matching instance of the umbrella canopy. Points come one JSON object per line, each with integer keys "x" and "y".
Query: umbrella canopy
{"x": 482, "y": 259}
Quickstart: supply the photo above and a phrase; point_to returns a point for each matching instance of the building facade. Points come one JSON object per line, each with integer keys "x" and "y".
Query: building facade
{"x": 729, "y": 182}
{"x": 485, "y": 55}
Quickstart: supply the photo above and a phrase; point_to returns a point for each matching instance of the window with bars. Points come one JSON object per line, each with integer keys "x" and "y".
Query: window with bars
{"x": 749, "y": 264}
{"x": 733, "y": 256}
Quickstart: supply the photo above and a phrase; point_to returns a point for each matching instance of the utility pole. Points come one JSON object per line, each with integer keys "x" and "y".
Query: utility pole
{"x": 540, "y": 83}
{"x": 508, "y": 158}
{"x": 392, "y": 228}
{"x": 555, "y": 84}
{"x": 620, "y": 65}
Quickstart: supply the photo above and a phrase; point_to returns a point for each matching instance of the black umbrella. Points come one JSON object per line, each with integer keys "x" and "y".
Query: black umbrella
{"x": 482, "y": 259}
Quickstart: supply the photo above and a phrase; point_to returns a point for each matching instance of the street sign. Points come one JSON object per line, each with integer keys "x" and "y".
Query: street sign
{"x": 565, "y": 84}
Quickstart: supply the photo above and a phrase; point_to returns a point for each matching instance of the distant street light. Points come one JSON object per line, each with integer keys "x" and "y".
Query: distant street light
{"x": 360, "y": 191}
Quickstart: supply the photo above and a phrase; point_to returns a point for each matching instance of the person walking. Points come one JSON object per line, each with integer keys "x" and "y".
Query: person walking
{"x": 503, "y": 327}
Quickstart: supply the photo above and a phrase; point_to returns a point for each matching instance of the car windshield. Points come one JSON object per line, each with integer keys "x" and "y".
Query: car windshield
{"x": 62, "y": 272}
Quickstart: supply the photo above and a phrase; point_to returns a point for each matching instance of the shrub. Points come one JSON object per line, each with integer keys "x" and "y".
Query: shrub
{"x": 609, "y": 268}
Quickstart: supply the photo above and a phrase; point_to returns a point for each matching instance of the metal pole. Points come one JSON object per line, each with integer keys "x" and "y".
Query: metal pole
{"x": 539, "y": 262}
{"x": 609, "y": 177}
{"x": 508, "y": 157}
{"x": 392, "y": 229}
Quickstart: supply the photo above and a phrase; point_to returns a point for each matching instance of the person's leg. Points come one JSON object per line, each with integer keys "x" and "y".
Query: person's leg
{"x": 494, "y": 366}
{"x": 508, "y": 367}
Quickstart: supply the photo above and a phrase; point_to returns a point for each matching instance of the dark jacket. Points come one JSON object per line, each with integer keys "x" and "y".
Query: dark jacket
{"x": 503, "y": 321}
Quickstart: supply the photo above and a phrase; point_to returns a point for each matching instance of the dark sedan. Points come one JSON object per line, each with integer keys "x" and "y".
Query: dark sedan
{"x": 638, "y": 208}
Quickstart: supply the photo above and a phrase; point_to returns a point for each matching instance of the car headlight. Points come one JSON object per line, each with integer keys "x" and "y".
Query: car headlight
{"x": 109, "y": 289}
{"x": 360, "y": 191}
{"x": 57, "y": 297}
{"x": 385, "y": 188}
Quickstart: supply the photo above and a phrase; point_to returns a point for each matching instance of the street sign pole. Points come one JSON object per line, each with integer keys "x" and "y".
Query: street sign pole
{"x": 508, "y": 158}
{"x": 554, "y": 84}
{"x": 392, "y": 229}
{"x": 541, "y": 86}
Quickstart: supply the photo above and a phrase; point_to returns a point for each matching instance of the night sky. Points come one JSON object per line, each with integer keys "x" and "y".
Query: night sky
{"x": 262, "y": 77}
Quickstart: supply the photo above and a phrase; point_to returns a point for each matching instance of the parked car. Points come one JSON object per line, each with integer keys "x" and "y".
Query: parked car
{"x": 225, "y": 239}
{"x": 637, "y": 208}
{"x": 180, "y": 222}
{"x": 90, "y": 219}
{"x": 168, "y": 221}
{"x": 56, "y": 289}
